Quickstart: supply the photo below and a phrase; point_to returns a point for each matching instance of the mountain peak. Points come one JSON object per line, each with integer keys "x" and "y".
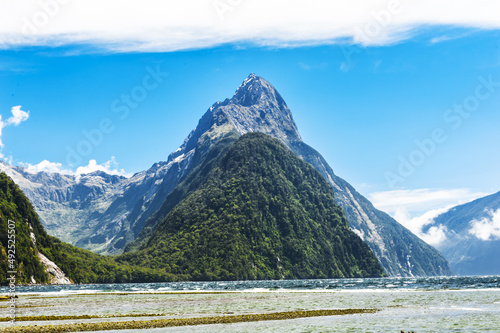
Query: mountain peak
{"x": 258, "y": 107}
{"x": 255, "y": 90}
{"x": 249, "y": 80}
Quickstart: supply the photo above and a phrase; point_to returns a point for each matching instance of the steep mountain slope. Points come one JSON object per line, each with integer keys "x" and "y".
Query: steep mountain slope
{"x": 115, "y": 212}
{"x": 19, "y": 226}
{"x": 68, "y": 205}
{"x": 102, "y": 212}
{"x": 210, "y": 148}
{"x": 258, "y": 107}
{"x": 472, "y": 234}
{"x": 262, "y": 213}
{"x": 98, "y": 211}
{"x": 40, "y": 258}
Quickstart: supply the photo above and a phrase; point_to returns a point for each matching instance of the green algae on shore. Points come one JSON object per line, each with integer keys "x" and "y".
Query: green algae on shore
{"x": 47, "y": 318}
{"x": 158, "y": 323}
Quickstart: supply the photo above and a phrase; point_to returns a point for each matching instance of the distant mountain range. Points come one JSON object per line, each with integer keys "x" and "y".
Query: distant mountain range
{"x": 108, "y": 214}
{"x": 31, "y": 256}
{"x": 472, "y": 230}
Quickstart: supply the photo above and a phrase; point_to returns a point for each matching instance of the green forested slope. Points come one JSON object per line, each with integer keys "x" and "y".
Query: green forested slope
{"x": 84, "y": 266}
{"x": 262, "y": 213}
{"x": 210, "y": 149}
{"x": 16, "y": 207}
{"x": 81, "y": 266}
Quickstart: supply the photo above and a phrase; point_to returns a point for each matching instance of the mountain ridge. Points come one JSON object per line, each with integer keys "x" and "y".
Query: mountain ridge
{"x": 472, "y": 239}
{"x": 261, "y": 213}
{"x": 256, "y": 106}
{"x": 360, "y": 212}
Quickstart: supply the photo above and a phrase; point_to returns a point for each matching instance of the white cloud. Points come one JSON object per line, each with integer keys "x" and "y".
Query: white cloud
{"x": 434, "y": 235}
{"x": 18, "y": 116}
{"x": 487, "y": 228}
{"x": 110, "y": 167}
{"x": 344, "y": 67}
{"x": 417, "y": 208}
{"x": 154, "y": 25}
{"x": 46, "y": 166}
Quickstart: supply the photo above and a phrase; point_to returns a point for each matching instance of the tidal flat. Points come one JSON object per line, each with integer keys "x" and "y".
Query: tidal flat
{"x": 459, "y": 310}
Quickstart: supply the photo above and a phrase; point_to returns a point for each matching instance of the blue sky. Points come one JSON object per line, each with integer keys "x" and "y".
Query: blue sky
{"x": 363, "y": 104}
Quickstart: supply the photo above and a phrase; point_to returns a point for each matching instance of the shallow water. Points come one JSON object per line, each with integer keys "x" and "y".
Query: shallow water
{"x": 455, "y": 304}
{"x": 427, "y": 283}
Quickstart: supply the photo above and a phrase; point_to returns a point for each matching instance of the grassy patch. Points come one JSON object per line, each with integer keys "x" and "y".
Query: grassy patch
{"x": 87, "y": 327}
{"x": 27, "y": 306}
{"x": 135, "y": 293}
{"x": 47, "y": 318}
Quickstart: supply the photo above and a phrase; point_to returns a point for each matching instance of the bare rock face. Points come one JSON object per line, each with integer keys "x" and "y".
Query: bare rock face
{"x": 56, "y": 275}
{"x": 258, "y": 107}
{"x": 98, "y": 211}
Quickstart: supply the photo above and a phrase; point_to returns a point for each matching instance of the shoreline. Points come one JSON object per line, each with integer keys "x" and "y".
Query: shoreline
{"x": 271, "y": 311}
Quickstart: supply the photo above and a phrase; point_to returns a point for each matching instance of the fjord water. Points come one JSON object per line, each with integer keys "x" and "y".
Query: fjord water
{"x": 380, "y": 284}
{"x": 430, "y": 304}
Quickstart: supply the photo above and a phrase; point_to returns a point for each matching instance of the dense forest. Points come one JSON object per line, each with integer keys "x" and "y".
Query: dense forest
{"x": 16, "y": 207}
{"x": 262, "y": 213}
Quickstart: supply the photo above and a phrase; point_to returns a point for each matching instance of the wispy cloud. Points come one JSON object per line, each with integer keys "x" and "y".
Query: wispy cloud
{"x": 152, "y": 25}
{"x": 422, "y": 200}
{"x": 440, "y": 39}
{"x": 18, "y": 116}
{"x": 487, "y": 228}
{"x": 416, "y": 209}
{"x": 457, "y": 33}
{"x": 309, "y": 67}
